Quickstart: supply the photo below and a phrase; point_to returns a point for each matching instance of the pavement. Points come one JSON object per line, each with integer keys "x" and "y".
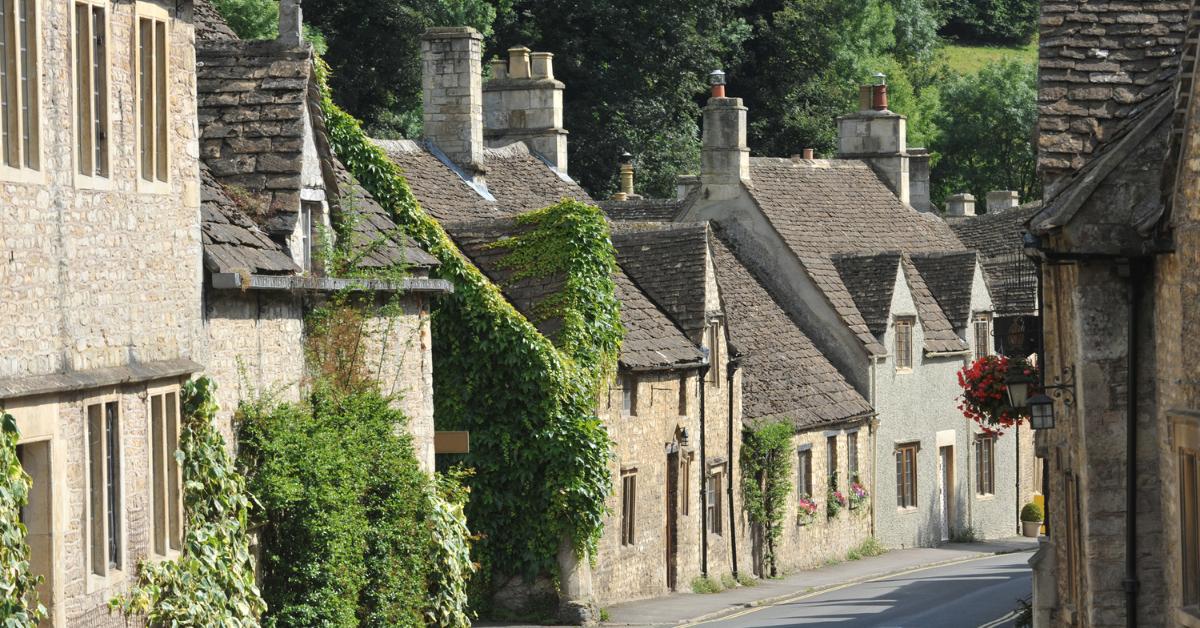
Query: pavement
{"x": 686, "y": 607}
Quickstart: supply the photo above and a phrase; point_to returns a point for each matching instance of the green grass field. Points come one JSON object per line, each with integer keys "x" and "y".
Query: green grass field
{"x": 967, "y": 59}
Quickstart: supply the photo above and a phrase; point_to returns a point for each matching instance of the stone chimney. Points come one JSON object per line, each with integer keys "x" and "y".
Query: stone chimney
{"x": 626, "y": 193}
{"x": 878, "y": 136}
{"x": 724, "y": 157}
{"x": 522, "y": 102}
{"x": 999, "y": 200}
{"x": 960, "y": 205}
{"x": 452, "y": 94}
{"x": 291, "y": 31}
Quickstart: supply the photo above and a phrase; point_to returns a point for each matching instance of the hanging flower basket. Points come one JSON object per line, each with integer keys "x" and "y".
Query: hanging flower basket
{"x": 985, "y": 395}
{"x": 859, "y": 498}
{"x": 835, "y": 503}
{"x": 806, "y": 511}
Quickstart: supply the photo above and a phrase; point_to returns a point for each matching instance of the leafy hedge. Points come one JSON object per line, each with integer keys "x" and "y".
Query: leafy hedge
{"x": 540, "y": 454}
{"x": 345, "y": 541}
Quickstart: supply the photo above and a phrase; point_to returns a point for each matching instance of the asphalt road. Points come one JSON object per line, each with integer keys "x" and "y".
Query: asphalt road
{"x": 979, "y": 593}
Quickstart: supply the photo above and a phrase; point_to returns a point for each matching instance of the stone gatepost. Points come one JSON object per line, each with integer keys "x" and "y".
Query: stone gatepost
{"x": 576, "y": 605}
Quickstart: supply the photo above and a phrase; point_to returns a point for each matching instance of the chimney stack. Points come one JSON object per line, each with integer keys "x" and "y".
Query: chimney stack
{"x": 452, "y": 94}
{"x": 291, "y": 30}
{"x": 808, "y": 153}
{"x": 524, "y": 103}
{"x": 877, "y": 136}
{"x": 724, "y": 157}
{"x": 918, "y": 180}
{"x": 626, "y": 192}
{"x": 960, "y": 205}
{"x": 1000, "y": 200}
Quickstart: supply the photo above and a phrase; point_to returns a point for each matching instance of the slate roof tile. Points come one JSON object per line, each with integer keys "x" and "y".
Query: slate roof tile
{"x": 871, "y": 280}
{"x": 647, "y": 209}
{"x": 1012, "y": 277}
{"x": 232, "y": 242}
{"x": 949, "y": 277}
{"x": 669, "y": 262}
{"x": 784, "y": 375}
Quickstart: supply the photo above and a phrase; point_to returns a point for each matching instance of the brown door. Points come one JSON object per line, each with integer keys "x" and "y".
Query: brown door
{"x": 672, "y": 514}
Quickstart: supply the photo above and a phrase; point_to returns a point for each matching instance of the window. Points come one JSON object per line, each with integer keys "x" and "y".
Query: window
{"x": 831, "y": 461}
{"x": 713, "y": 502}
{"x": 906, "y": 476}
{"x": 19, "y": 124}
{"x": 91, "y": 90}
{"x": 105, "y": 486}
{"x": 165, "y": 474}
{"x": 1189, "y": 528}
{"x": 152, "y": 98}
{"x": 985, "y": 466}
{"x": 628, "y": 506}
{"x": 983, "y": 336}
{"x": 685, "y": 472}
{"x": 629, "y": 386}
{"x": 714, "y": 355}
{"x": 306, "y": 234}
{"x": 904, "y": 357}
{"x": 852, "y": 456}
{"x": 804, "y": 474}
{"x": 683, "y": 395}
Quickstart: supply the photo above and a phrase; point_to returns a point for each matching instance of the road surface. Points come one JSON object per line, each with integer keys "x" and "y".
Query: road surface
{"x": 978, "y": 593}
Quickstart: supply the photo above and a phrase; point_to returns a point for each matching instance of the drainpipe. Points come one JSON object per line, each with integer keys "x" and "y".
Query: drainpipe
{"x": 874, "y": 445}
{"x": 703, "y": 478}
{"x": 1132, "y": 271}
{"x": 1018, "y": 479}
{"x": 734, "y": 365}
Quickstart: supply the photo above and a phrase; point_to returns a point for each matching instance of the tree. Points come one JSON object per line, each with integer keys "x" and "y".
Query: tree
{"x": 983, "y": 132}
{"x": 374, "y": 49}
{"x": 633, "y": 71}
{"x": 1006, "y": 22}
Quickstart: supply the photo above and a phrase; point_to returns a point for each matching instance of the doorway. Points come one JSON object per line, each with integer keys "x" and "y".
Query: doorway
{"x": 672, "y": 515}
{"x": 945, "y": 488}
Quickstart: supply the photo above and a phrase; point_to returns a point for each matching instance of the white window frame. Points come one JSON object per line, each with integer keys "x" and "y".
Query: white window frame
{"x": 92, "y": 179}
{"x": 154, "y": 184}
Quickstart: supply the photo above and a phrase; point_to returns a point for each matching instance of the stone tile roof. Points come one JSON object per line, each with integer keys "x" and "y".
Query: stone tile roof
{"x": 1098, "y": 61}
{"x": 996, "y": 236}
{"x": 646, "y": 209}
{"x": 518, "y": 180}
{"x": 232, "y": 242}
{"x": 823, "y": 207}
{"x": 670, "y": 263}
{"x": 651, "y": 341}
{"x": 784, "y": 375}
{"x": 251, "y": 109}
{"x": 949, "y": 276}
{"x": 871, "y": 280}
{"x": 209, "y": 24}
{"x": 939, "y": 334}
{"x": 376, "y": 240}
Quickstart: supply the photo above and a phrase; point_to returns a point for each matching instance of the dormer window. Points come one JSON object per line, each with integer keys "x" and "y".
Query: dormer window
{"x": 904, "y": 344}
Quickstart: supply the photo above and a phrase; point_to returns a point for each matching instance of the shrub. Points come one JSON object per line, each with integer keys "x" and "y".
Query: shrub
{"x": 746, "y": 580}
{"x": 705, "y": 584}
{"x": 1032, "y": 512}
{"x": 967, "y": 534}
{"x": 872, "y": 547}
{"x": 19, "y": 607}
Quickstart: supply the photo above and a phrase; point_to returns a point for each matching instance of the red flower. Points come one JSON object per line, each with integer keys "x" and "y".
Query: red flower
{"x": 985, "y": 396}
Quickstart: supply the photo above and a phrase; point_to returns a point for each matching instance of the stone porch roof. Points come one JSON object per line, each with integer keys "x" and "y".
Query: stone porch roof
{"x": 784, "y": 375}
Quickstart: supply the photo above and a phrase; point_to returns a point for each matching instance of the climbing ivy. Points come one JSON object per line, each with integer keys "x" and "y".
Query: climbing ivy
{"x": 212, "y": 581}
{"x": 766, "y": 467}
{"x": 19, "y": 605}
{"x": 540, "y": 454}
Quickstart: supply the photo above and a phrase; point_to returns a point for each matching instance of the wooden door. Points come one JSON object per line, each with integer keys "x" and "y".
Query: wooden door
{"x": 672, "y": 515}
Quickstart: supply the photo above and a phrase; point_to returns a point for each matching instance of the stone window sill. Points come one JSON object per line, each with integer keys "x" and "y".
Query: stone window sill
{"x": 907, "y": 511}
{"x": 8, "y": 174}
{"x": 1188, "y": 616}
{"x": 984, "y": 497}
{"x": 904, "y": 371}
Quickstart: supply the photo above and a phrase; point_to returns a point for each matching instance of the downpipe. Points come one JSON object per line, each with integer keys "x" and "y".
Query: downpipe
{"x": 703, "y": 479}
{"x": 1133, "y": 272}
{"x": 734, "y": 365}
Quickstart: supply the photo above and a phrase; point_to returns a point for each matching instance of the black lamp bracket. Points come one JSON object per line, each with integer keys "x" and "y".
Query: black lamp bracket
{"x": 1063, "y": 387}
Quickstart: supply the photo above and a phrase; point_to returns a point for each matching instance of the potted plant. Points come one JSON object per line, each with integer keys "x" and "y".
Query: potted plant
{"x": 858, "y": 497}
{"x": 1031, "y": 519}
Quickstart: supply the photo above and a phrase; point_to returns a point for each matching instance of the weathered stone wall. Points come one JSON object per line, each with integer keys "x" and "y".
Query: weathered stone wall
{"x": 639, "y": 570}
{"x": 100, "y": 272}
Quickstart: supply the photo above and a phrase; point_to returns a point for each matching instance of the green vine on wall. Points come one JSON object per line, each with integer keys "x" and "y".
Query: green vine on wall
{"x": 19, "y": 604}
{"x": 212, "y": 581}
{"x": 766, "y": 469}
{"x": 540, "y": 453}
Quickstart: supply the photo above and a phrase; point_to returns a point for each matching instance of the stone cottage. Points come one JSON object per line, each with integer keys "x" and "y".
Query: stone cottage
{"x": 275, "y": 198}
{"x": 784, "y": 377}
{"x": 100, "y": 291}
{"x": 1116, "y": 244}
{"x": 887, "y": 294}
{"x": 493, "y": 150}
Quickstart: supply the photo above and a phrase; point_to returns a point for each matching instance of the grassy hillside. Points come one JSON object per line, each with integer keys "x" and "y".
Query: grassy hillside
{"x": 967, "y": 59}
